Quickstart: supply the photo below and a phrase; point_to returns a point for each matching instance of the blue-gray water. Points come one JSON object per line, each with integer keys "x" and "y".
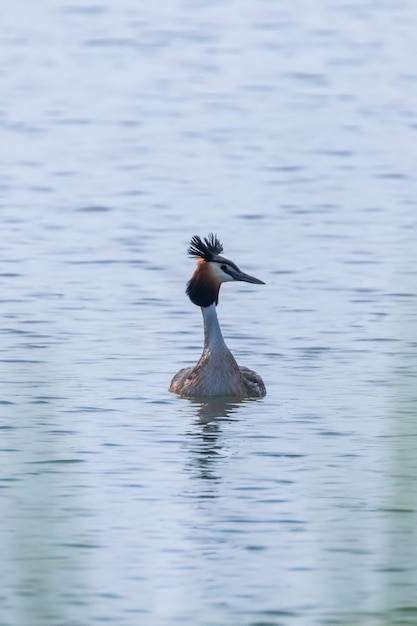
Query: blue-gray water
{"x": 290, "y": 129}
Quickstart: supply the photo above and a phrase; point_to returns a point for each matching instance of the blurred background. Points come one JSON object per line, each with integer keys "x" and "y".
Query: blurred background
{"x": 289, "y": 129}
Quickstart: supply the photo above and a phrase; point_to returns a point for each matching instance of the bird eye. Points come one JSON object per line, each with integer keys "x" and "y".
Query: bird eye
{"x": 223, "y": 267}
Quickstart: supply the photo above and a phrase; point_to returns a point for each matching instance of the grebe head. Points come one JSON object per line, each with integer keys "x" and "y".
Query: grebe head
{"x": 212, "y": 270}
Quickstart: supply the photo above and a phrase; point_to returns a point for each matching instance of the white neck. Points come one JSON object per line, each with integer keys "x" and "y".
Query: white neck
{"x": 213, "y": 338}
{"x": 217, "y": 371}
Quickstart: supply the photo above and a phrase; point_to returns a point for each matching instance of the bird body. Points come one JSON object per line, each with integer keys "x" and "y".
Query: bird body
{"x": 216, "y": 373}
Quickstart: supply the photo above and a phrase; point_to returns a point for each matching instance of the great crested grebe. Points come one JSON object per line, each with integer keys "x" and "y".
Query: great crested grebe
{"x": 216, "y": 373}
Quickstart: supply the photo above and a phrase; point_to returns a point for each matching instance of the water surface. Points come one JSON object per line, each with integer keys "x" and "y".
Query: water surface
{"x": 291, "y": 132}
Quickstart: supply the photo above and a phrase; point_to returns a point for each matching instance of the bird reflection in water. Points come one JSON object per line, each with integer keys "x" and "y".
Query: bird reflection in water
{"x": 211, "y": 413}
{"x": 217, "y": 408}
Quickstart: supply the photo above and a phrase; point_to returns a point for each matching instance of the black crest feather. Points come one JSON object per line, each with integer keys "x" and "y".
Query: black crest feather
{"x": 205, "y": 249}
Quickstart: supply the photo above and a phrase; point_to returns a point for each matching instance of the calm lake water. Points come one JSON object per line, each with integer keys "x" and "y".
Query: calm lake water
{"x": 290, "y": 129}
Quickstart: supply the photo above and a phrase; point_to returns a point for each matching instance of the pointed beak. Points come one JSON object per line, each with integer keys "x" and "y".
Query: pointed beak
{"x": 246, "y": 278}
